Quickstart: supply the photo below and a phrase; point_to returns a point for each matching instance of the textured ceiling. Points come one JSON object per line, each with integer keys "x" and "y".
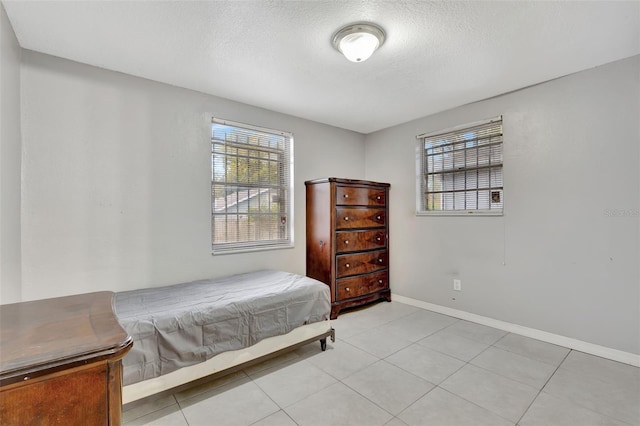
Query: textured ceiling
{"x": 278, "y": 54}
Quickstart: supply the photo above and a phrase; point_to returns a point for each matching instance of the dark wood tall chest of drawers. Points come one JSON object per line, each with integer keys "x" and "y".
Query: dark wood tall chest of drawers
{"x": 348, "y": 240}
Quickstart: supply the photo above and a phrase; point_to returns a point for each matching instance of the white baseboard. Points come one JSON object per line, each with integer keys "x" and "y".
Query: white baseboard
{"x": 556, "y": 339}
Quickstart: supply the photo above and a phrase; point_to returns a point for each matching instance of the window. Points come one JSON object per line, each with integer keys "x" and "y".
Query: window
{"x": 459, "y": 170}
{"x": 251, "y": 187}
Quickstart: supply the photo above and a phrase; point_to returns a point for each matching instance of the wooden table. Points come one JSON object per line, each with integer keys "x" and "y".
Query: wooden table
{"x": 60, "y": 361}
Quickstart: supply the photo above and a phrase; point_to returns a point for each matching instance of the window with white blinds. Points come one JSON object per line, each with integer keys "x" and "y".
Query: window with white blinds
{"x": 251, "y": 187}
{"x": 460, "y": 170}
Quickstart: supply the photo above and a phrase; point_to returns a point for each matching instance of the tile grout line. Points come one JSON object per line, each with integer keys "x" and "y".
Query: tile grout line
{"x": 382, "y": 408}
{"x": 152, "y": 411}
{"x": 356, "y": 371}
{"x": 293, "y": 403}
{"x": 378, "y": 359}
{"x": 464, "y": 363}
{"x": 436, "y": 386}
{"x": 468, "y": 363}
{"x": 183, "y": 415}
{"x": 493, "y": 345}
{"x": 473, "y": 403}
{"x": 542, "y": 388}
{"x": 578, "y": 404}
{"x": 410, "y": 405}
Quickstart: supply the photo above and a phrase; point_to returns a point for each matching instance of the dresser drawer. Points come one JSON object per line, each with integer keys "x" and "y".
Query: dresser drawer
{"x": 363, "y": 284}
{"x": 361, "y": 263}
{"x": 350, "y": 218}
{"x": 347, "y": 241}
{"x": 354, "y": 196}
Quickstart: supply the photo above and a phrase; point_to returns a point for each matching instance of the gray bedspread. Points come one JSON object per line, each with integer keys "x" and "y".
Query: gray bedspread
{"x": 184, "y": 324}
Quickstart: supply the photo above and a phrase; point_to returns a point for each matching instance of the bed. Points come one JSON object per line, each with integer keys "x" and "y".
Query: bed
{"x": 189, "y": 331}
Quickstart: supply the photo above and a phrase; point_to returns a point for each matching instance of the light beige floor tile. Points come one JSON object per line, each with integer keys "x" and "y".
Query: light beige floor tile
{"x": 313, "y": 349}
{"x": 148, "y": 407}
{"x": 532, "y": 348}
{"x": 620, "y": 400}
{"x": 337, "y": 405}
{"x": 454, "y": 345}
{"x": 292, "y": 383}
{"x": 351, "y": 323}
{"x": 279, "y": 418}
{"x": 395, "y": 422}
{"x": 390, "y": 310}
{"x": 341, "y": 359}
{"x": 548, "y": 410}
{"x": 168, "y": 416}
{"x": 516, "y": 367}
{"x": 418, "y": 325}
{"x": 504, "y": 397}
{"x": 213, "y": 384}
{"x": 238, "y": 403}
{"x": 425, "y": 363}
{"x": 378, "y": 343}
{"x": 287, "y": 358}
{"x": 388, "y": 386}
{"x": 420, "y": 348}
{"x": 443, "y": 408}
{"x": 478, "y": 332}
{"x": 602, "y": 369}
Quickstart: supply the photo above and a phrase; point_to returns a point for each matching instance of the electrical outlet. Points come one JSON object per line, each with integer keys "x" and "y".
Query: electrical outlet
{"x": 457, "y": 285}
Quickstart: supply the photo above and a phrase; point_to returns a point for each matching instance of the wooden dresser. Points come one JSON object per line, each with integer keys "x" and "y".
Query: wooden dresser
{"x": 60, "y": 362}
{"x": 348, "y": 240}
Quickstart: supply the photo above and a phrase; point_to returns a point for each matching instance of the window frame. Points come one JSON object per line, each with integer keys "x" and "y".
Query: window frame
{"x": 421, "y": 173}
{"x": 288, "y": 161}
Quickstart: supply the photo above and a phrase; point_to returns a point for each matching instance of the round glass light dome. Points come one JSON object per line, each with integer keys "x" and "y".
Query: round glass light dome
{"x": 357, "y": 42}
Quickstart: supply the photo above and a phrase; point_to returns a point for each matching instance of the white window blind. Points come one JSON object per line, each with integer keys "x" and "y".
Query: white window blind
{"x": 460, "y": 170}
{"x": 251, "y": 187}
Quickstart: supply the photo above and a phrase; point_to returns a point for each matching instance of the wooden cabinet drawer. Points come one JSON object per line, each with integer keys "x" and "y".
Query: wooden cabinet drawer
{"x": 363, "y": 284}
{"x": 78, "y": 397}
{"x": 354, "y": 196}
{"x": 60, "y": 361}
{"x": 350, "y": 218}
{"x": 347, "y": 241}
{"x": 361, "y": 263}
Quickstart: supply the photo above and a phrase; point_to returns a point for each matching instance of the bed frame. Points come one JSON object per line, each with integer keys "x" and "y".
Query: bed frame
{"x": 226, "y": 363}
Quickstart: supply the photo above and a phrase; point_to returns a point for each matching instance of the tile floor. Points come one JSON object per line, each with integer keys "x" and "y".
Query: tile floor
{"x": 394, "y": 364}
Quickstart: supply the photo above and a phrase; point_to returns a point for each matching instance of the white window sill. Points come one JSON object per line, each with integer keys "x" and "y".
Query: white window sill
{"x": 461, "y": 213}
{"x": 220, "y": 251}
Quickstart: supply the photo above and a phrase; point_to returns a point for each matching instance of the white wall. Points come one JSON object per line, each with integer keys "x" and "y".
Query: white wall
{"x": 556, "y": 261}
{"x": 117, "y": 180}
{"x": 116, "y": 184}
{"x": 10, "y": 161}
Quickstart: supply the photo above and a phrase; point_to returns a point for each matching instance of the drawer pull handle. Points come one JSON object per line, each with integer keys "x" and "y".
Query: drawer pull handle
{"x": 347, "y": 289}
{"x": 346, "y": 265}
{"x": 378, "y": 238}
{"x": 378, "y": 198}
{"x": 379, "y": 260}
{"x": 346, "y": 195}
{"x": 346, "y": 218}
{"x": 378, "y": 217}
{"x": 346, "y": 242}
{"x": 379, "y": 281}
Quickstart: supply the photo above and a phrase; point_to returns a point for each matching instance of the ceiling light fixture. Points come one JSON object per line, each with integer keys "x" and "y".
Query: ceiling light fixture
{"x": 357, "y": 42}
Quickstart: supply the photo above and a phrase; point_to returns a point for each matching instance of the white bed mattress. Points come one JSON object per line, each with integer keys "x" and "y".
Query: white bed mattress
{"x": 185, "y": 324}
{"x": 224, "y": 361}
